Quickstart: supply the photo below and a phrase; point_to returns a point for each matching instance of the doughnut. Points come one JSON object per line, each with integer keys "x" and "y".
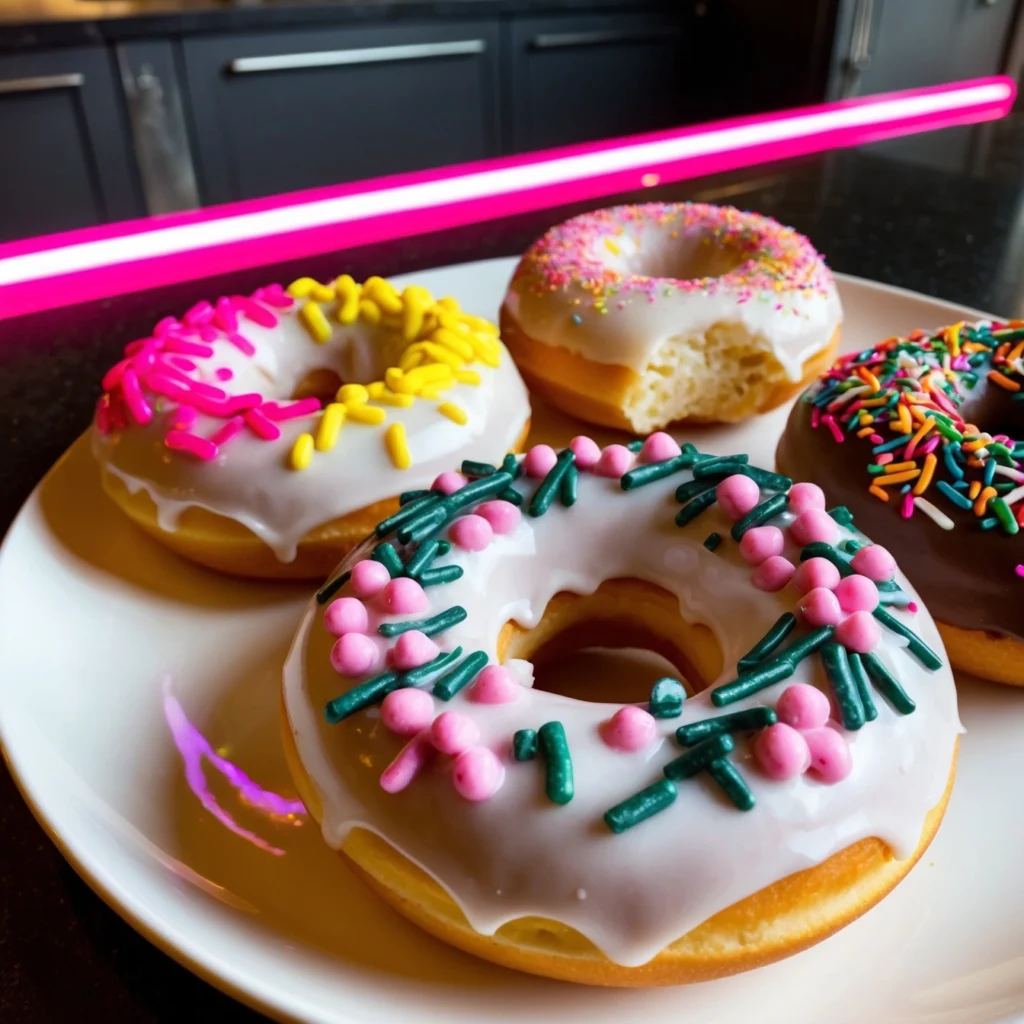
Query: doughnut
{"x": 774, "y": 788}
{"x": 265, "y": 435}
{"x": 917, "y": 436}
{"x": 638, "y": 316}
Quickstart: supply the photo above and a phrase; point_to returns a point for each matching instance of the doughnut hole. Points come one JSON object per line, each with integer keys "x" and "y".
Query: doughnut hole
{"x": 612, "y": 645}
{"x": 322, "y": 383}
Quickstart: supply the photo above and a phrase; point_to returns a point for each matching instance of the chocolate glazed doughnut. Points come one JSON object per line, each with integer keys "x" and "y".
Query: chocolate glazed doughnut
{"x": 918, "y": 438}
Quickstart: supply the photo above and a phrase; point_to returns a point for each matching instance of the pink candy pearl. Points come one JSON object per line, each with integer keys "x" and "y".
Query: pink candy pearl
{"x": 804, "y": 497}
{"x": 539, "y": 461}
{"x": 453, "y": 732}
{"x": 781, "y": 751}
{"x": 346, "y": 615}
{"x": 659, "y": 447}
{"x": 502, "y": 515}
{"x": 815, "y": 572}
{"x": 354, "y": 654}
{"x": 448, "y": 483}
{"x": 477, "y": 774}
{"x": 803, "y": 707}
{"x": 737, "y": 495}
{"x": 369, "y": 578}
{"x": 875, "y": 562}
{"x": 472, "y": 532}
{"x": 773, "y": 573}
{"x": 403, "y": 596}
{"x": 857, "y": 594}
{"x": 614, "y": 461}
{"x": 494, "y": 685}
{"x": 814, "y": 525}
{"x": 412, "y": 649}
{"x": 859, "y": 633}
{"x": 586, "y": 450}
{"x": 629, "y": 729}
{"x": 761, "y": 542}
{"x": 830, "y": 754}
{"x": 411, "y": 760}
{"x": 820, "y": 607}
{"x": 407, "y": 712}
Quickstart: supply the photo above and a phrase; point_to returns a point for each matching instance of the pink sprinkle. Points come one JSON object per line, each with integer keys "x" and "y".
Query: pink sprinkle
{"x": 133, "y": 348}
{"x": 346, "y": 615}
{"x": 412, "y": 649}
{"x": 630, "y": 729}
{"x": 188, "y": 348}
{"x": 805, "y": 497}
{"x": 254, "y": 311}
{"x": 760, "y": 543}
{"x": 369, "y": 578}
{"x": 860, "y": 632}
{"x": 279, "y": 413}
{"x": 814, "y": 525}
{"x": 472, "y": 533}
{"x": 815, "y": 418}
{"x": 477, "y": 774}
{"x": 813, "y": 574}
{"x": 411, "y": 760}
{"x": 494, "y": 685}
{"x": 113, "y": 376}
{"x": 773, "y": 573}
{"x": 274, "y": 295}
{"x": 200, "y": 447}
{"x": 539, "y": 461}
{"x": 1019, "y": 570}
{"x": 209, "y": 333}
{"x": 239, "y": 403}
{"x": 453, "y": 732}
{"x": 820, "y": 607}
{"x": 448, "y": 482}
{"x": 172, "y": 370}
{"x": 876, "y": 439}
{"x": 803, "y": 706}
{"x": 354, "y": 654}
{"x": 183, "y": 364}
{"x": 615, "y": 460}
{"x": 830, "y": 422}
{"x": 659, "y": 447}
{"x": 199, "y": 315}
{"x": 874, "y": 562}
{"x": 502, "y": 515}
{"x": 165, "y": 326}
{"x": 185, "y": 416}
{"x": 912, "y": 607}
{"x": 244, "y": 345}
{"x": 782, "y": 752}
{"x": 138, "y": 407}
{"x": 884, "y": 459}
{"x": 830, "y": 755}
{"x": 198, "y": 387}
{"x": 225, "y": 316}
{"x": 930, "y": 445}
{"x": 404, "y": 596}
{"x": 857, "y": 594}
{"x": 227, "y": 431}
{"x": 586, "y": 450}
{"x": 407, "y": 711}
{"x": 261, "y": 426}
{"x": 907, "y": 505}
{"x": 737, "y": 495}
{"x": 223, "y": 373}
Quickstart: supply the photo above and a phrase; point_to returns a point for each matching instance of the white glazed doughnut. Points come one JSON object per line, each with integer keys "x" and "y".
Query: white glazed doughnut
{"x": 637, "y": 316}
{"x": 203, "y": 439}
{"x": 623, "y": 851}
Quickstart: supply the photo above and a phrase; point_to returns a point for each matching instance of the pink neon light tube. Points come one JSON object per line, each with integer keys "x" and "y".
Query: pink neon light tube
{"x": 60, "y": 270}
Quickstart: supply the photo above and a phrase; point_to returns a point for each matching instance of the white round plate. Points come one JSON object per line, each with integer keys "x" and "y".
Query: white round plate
{"x": 126, "y": 673}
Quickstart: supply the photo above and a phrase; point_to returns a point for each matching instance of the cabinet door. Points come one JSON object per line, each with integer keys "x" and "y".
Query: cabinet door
{"x": 583, "y": 78}
{"x": 285, "y": 111}
{"x": 65, "y": 159}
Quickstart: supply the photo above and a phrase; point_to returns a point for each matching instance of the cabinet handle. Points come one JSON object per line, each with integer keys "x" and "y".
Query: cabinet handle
{"x": 40, "y": 83}
{"x": 368, "y": 55}
{"x": 565, "y": 40}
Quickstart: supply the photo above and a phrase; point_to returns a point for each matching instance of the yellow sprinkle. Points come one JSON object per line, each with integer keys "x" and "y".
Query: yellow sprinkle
{"x": 467, "y": 376}
{"x": 974, "y": 444}
{"x": 870, "y": 378}
{"x": 349, "y": 294}
{"x": 450, "y": 339}
{"x": 432, "y": 373}
{"x": 449, "y": 303}
{"x": 419, "y": 295}
{"x": 865, "y": 431}
{"x": 864, "y": 417}
{"x": 376, "y": 388}
{"x": 398, "y": 447}
{"x": 974, "y": 490}
{"x": 302, "y": 288}
{"x": 926, "y": 474}
{"x": 410, "y": 358}
{"x": 953, "y": 337}
{"x": 431, "y": 391}
{"x": 486, "y": 351}
{"x": 322, "y": 293}
{"x": 905, "y": 425}
{"x": 921, "y": 431}
{"x": 369, "y": 311}
{"x": 453, "y": 322}
{"x": 395, "y": 379}
{"x": 879, "y": 493}
{"x": 612, "y": 247}
{"x": 454, "y": 412}
{"x": 302, "y": 451}
{"x": 896, "y": 478}
{"x": 415, "y": 303}
{"x": 900, "y": 467}
{"x": 316, "y": 323}
{"x": 982, "y": 503}
{"x": 353, "y": 394}
{"x": 371, "y": 415}
{"x": 390, "y": 398}
{"x": 478, "y": 323}
{"x": 440, "y": 354}
{"x": 330, "y": 426}
{"x": 384, "y": 294}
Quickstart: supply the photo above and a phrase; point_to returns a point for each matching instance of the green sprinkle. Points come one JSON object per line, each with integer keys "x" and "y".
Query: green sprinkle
{"x": 784, "y": 625}
{"x": 388, "y": 557}
{"x": 421, "y": 560}
{"x": 423, "y": 673}
{"x": 1001, "y": 452}
{"x": 635, "y": 446}
{"x": 844, "y": 686}
{"x": 697, "y": 758}
{"x": 512, "y": 495}
{"x": 443, "y": 547}
{"x": 915, "y": 644}
{"x": 886, "y": 684}
{"x": 429, "y": 627}
{"x": 750, "y": 682}
{"x": 667, "y": 696}
{"x": 726, "y": 775}
{"x": 759, "y": 514}
{"x": 958, "y": 499}
{"x": 701, "y": 503}
{"x": 641, "y": 806}
{"x": 418, "y": 529}
{"x": 653, "y": 471}
{"x": 851, "y": 546}
{"x": 568, "y": 490}
{"x": 558, "y": 781}
{"x": 472, "y": 468}
{"x": 712, "y": 540}
{"x": 406, "y": 496}
{"x": 510, "y": 465}
{"x": 1004, "y": 515}
{"x": 685, "y": 492}
{"x": 434, "y": 518}
{"x": 331, "y": 587}
{"x": 723, "y": 464}
{"x": 842, "y": 515}
{"x": 550, "y": 485}
{"x": 443, "y": 574}
{"x": 761, "y": 477}
{"x": 807, "y": 645}
{"x": 524, "y": 744}
{"x": 409, "y": 511}
{"x": 735, "y": 721}
{"x": 462, "y": 675}
{"x": 860, "y": 677}
{"x": 989, "y": 472}
{"x": 362, "y": 696}
{"x": 818, "y": 549}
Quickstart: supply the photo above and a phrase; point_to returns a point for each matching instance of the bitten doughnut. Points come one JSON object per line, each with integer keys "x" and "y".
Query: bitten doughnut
{"x": 227, "y": 437}
{"x": 920, "y": 437}
{"x": 638, "y": 316}
{"x": 780, "y": 787}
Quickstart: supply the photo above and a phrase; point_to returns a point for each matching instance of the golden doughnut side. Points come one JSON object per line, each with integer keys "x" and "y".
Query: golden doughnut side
{"x": 998, "y": 658}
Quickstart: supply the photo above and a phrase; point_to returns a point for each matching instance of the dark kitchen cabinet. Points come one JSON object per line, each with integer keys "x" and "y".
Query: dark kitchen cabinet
{"x": 66, "y": 161}
{"x": 291, "y": 110}
{"x": 575, "y": 79}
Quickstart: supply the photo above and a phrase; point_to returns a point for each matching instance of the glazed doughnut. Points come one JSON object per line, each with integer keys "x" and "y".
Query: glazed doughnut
{"x": 780, "y": 787}
{"x": 265, "y": 435}
{"x": 919, "y": 436}
{"x": 638, "y": 316}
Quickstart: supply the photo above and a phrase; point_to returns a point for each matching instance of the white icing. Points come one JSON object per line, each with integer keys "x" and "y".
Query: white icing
{"x": 517, "y": 854}
{"x": 251, "y": 482}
